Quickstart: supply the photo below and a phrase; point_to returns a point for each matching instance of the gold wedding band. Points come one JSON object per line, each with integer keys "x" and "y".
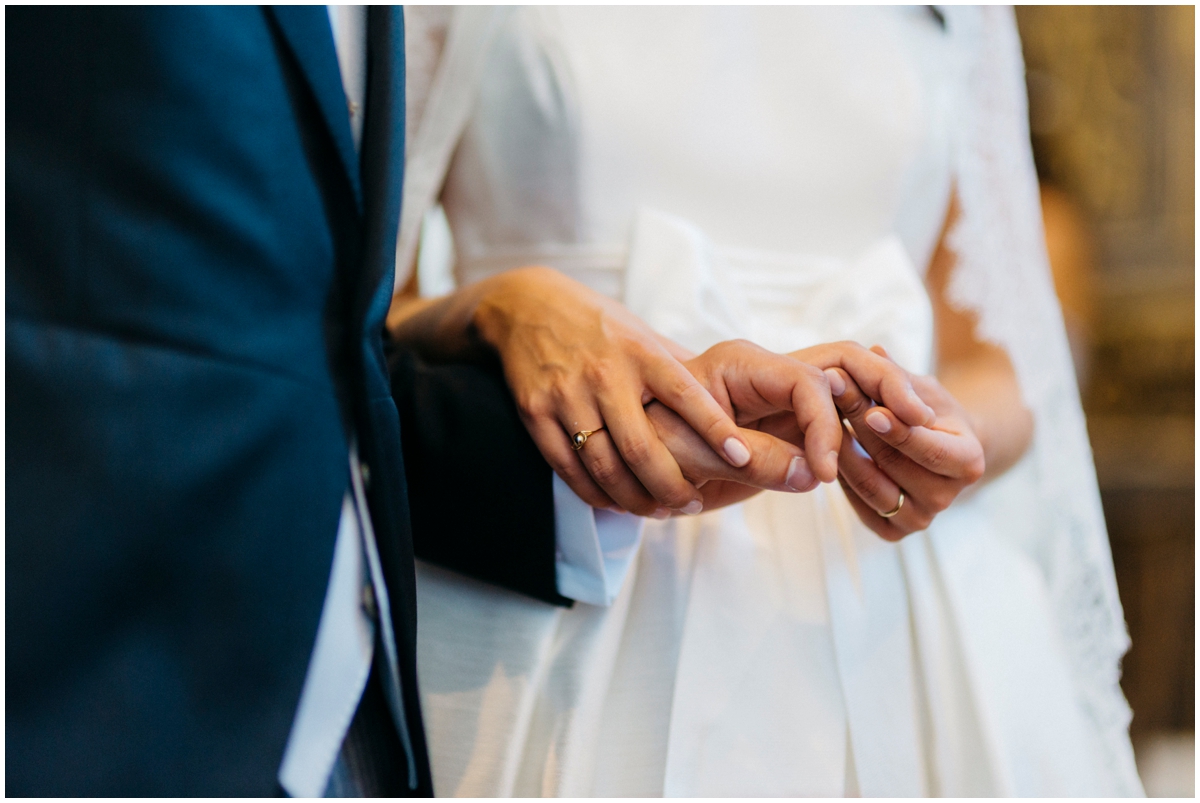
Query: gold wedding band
{"x": 580, "y": 438}
{"x": 896, "y": 509}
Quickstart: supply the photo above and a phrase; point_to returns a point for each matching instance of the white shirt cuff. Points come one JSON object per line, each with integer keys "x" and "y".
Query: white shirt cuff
{"x": 595, "y": 548}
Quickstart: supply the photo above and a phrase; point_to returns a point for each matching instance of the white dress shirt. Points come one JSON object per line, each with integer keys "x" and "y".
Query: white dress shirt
{"x": 594, "y": 552}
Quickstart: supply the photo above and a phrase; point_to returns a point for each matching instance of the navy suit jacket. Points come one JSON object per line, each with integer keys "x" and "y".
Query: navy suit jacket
{"x": 198, "y": 270}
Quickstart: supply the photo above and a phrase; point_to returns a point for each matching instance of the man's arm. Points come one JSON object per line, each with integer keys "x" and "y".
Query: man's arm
{"x": 480, "y": 492}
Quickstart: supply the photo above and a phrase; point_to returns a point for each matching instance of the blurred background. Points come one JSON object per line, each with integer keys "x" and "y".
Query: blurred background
{"x": 1112, "y": 112}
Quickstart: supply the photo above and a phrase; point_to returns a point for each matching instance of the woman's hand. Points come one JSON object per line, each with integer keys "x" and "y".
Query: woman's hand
{"x": 982, "y": 426}
{"x": 931, "y": 464}
{"x": 576, "y": 360}
{"x": 875, "y": 374}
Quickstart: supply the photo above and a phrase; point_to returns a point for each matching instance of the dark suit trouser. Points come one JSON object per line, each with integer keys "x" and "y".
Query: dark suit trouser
{"x": 371, "y": 762}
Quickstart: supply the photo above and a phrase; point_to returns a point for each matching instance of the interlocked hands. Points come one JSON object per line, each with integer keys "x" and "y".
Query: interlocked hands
{"x": 679, "y": 433}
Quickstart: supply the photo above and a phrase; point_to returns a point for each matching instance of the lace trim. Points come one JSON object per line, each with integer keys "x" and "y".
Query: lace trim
{"x": 1003, "y": 275}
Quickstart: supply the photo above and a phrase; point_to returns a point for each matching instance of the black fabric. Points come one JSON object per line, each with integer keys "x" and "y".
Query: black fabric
{"x": 371, "y": 762}
{"x": 486, "y": 506}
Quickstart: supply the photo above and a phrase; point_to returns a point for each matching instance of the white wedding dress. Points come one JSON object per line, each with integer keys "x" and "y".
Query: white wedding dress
{"x": 783, "y": 175}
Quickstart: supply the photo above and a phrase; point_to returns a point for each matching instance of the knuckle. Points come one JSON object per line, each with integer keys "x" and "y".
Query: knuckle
{"x": 720, "y": 349}
{"x": 900, "y": 435}
{"x": 597, "y": 372}
{"x": 936, "y": 457}
{"x": 870, "y": 489}
{"x": 887, "y": 457}
{"x": 604, "y": 471}
{"x": 815, "y": 375}
{"x": 854, "y": 404}
{"x": 579, "y": 482}
{"x": 684, "y": 388}
{"x": 532, "y": 406}
{"x": 677, "y": 496}
{"x": 571, "y": 470}
{"x": 636, "y": 451}
{"x": 741, "y": 345}
{"x": 571, "y": 474}
{"x": 561, "y": 389}
{"x": 941, "y": 499}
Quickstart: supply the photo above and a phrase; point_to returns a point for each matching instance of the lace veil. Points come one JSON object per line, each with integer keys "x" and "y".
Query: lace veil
{"x": 1003, "y": 275}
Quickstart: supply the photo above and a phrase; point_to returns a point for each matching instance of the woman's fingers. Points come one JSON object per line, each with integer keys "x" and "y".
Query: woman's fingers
{"x": 863, "y": 416}
{"x": 866, "y": 479}
{"x": 879, "y": 377}
{"x": 555, "y": 446}
{"x": 672, "y": 384}
{"x": 882, "y": 527}
{"x": 873, "y": 494}
{"x": 932, "y": 465}
{"x": 614, "y": 470}
{"x": 638, "y": 450}
{"x": 945, "y": 453}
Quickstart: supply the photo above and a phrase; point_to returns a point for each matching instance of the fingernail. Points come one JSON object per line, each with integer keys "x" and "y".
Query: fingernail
{"x": 737, "y": 452}
{"x": 693, "y": 507}
{"x": 837, "y": 385}
{"x": 616, "y": 509}
{"x": 661, "y": 513}
{"x": 833, "y": 461}
{"x": 800, "y": 477}
{"x": 878, "y": 422}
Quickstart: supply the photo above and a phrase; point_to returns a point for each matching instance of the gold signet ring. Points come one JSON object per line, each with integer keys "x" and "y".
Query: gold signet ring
{"x": 896, "y": 509}
{"x": 580, "y": 438}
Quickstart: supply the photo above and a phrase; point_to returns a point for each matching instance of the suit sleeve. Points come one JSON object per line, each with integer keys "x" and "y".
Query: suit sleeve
{"x": 480, "y": 492}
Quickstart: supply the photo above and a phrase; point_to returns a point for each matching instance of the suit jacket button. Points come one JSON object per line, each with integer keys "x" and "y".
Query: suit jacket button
{"x": 365, "y": 471}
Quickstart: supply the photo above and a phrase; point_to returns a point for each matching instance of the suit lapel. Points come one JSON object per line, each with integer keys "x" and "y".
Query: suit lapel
{"x": 310, "y": 38}
{"x": 383, "y": 147}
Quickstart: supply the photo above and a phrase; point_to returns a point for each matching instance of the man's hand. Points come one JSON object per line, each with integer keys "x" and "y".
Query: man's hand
{"x": 932, "y": 464}
{"x": 756, "y": 386}
{"x": 777, "y": 464}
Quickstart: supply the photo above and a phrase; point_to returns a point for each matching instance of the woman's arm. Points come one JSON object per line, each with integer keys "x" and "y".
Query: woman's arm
{"x": 978, "y": 374}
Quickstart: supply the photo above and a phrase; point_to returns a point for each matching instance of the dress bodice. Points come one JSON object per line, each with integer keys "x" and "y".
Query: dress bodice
{"x": 804, "y": 130}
